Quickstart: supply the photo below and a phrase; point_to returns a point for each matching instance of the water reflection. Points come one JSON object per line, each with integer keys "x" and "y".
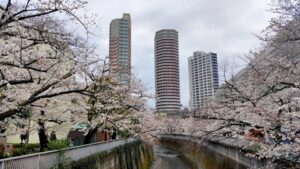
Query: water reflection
{"x": 168, "y": 159}
{"x": 198, "y": 159}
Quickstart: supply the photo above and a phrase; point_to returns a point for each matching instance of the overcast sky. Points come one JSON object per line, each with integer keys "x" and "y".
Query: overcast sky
{"x": 225, "y": 27}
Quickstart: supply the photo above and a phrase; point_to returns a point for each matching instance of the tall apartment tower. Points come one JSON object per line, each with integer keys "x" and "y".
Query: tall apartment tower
{"x": 120, "y": 49}
{"x": 167, "y": 71}
{"x": 203, "y": 77}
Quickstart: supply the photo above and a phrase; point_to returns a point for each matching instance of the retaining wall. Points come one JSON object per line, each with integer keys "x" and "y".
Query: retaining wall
{"x": 192, "y": 148}
{"x": 134, "y": 155}
{"x": 114, "y": 154}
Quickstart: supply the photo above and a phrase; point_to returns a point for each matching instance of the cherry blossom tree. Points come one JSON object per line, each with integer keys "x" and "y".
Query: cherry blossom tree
{"x": 115, "y": 105}
{"x": 266, "y": 92}
{"x": 41, "y": 54}
{"x": 269, "y": 85}
{"x": 47, "y": 64}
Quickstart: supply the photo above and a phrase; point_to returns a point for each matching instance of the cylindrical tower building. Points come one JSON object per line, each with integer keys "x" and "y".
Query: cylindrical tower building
{"x": 167, "y": 71}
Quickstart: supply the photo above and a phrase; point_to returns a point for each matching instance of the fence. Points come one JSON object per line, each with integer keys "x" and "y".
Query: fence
{"x": 46, "y": 160}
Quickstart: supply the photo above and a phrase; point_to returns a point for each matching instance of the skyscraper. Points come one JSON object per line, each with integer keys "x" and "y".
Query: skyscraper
{"x": 203, "y": 77}
{"x": 120, "y": 49}
{"x": 167, "y": 71}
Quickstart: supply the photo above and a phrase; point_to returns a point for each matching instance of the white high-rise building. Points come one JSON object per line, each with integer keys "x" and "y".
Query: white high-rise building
{"x": 203, "y": 77}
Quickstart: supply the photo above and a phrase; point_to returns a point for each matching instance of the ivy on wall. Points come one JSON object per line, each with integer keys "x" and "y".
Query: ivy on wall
{"x": 135, "y": 155}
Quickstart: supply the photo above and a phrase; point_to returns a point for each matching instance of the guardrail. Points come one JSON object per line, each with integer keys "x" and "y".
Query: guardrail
{"x": 46, "y": 160}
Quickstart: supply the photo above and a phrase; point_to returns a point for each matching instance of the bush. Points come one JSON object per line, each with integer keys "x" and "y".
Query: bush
{"x": 31, "y": 146}
{"x": 254, "y": 148}
{"x": 34, "y": 148}
{"x": 58, "y": 144}
{"x": 26, "y": 149}
{"x": 19, "y": 152}
{"x": 4, "y": 155}
{"x": 124, "y": 133}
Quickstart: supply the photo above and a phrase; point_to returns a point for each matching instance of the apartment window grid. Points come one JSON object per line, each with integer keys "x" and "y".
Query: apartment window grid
{"x": 167, "y": 71}
{"x": 120, "y": 48}
{"x": 203, "y": 75}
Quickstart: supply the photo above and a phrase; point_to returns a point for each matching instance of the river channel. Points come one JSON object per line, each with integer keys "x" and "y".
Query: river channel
{"x": 166, "y": 158}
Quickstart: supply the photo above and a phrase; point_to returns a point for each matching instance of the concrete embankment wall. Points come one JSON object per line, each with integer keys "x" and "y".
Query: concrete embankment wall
{"x": 134, "y": 155}
{"x": 213, "y": 153}
{"x": 127, "y": 153}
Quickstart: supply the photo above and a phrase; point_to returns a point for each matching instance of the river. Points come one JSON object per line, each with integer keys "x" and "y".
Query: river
{"x": 166, "y": 158}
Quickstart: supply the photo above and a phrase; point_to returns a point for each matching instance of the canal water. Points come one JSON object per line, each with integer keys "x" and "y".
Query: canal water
{"x": 166, "y": 158}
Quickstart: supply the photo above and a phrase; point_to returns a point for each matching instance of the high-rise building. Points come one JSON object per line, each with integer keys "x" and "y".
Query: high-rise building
{"x": 203, "y": 77}
{"x": 167, "y": 71}
{"x": 120, "y": 49}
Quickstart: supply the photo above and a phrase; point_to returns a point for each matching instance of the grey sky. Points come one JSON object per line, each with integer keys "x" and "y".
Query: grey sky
{"x": 225, "y": 27}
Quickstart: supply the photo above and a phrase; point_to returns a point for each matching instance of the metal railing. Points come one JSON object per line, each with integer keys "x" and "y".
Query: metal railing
{"x": 46, "y": 160}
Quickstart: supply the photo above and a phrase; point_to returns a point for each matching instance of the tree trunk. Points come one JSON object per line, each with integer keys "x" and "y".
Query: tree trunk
{"x": 89, "y": 136}
{"x": 28, "y": 133}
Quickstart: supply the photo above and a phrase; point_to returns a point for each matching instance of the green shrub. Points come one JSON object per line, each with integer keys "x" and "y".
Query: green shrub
{"x": 58, "y": 144}
{"x": 124, "y": 133}
{"x": 31, "y": 146}
{"x": 19, "y": 152}
{"x": 25, "y": 149}
{"x": 4, "y": 155}
{"x": 254, "y": 148}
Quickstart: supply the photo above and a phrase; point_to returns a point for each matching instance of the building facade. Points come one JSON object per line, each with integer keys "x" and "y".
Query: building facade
{"x": 203, "y": 77}
{"x": 167, "y": 88}
{"x": 120, "y": 49}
